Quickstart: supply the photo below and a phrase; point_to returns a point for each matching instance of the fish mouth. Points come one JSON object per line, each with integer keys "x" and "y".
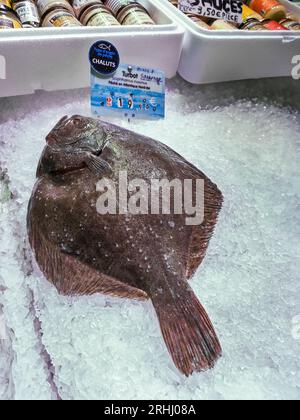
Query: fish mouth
{"x": 65, "y": 123}
{"x": 64, "y": 134}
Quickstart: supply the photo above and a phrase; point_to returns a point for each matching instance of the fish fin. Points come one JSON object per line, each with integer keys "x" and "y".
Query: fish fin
{"x": 95, "y": 282}
{"x": 71, "y": 276}
{"x": 201, "y": 235}
{"x": 98, "y": 166}
{"x": 188, "y": 333}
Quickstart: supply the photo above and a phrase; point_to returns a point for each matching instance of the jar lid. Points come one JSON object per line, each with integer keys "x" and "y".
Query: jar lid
{"x": 7, "y": 9}
{"x": 248, "y": 22}
{"x": 51, "y": 5}
{"x": 53, "y": 12}
{"x": 94, "y": 8}
{"x": 81, "y": 5}
{"x": 116, "y": 5}
{"x": 124, "y": 12}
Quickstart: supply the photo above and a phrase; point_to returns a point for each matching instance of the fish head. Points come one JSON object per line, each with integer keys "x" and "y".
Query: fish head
{"x": 78, "y": 134}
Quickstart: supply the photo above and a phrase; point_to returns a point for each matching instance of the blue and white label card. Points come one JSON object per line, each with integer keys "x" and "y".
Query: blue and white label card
{"x": 123, "y": 89}
{"x": 135, "y": 92}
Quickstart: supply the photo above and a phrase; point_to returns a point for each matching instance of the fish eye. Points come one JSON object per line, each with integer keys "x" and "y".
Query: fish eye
{"x": 76, "y": 122}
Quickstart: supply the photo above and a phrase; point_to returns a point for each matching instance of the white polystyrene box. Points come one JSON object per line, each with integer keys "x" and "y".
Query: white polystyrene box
{"x": 219, "y": 56}
{"x": 57, "y": 58}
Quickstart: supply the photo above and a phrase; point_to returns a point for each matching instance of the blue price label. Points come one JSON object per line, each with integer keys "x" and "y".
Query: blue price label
{"x": 104, "y": 58}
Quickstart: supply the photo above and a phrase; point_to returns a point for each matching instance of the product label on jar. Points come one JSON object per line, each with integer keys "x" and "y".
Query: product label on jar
{"x": 254, "y": 27}
{"x": 79, "y": 4}
{"x": 6, "y": 24}
{"x": 229, "y": 10}
{"x": 127, "y": 90}
{"x": 274, "y": 26}
{"x": 292, "y": 25}
{"x": 263, "y": 6}
{"x": 27, "y": 12}
{"x": 61, "y": 19}
{"x": 137, "y": 17}
{"x": 250, "y": 14}
{"x": 116, "y": 5}
{"x": 103, "y": 19}
{"x": 44, "y": 5}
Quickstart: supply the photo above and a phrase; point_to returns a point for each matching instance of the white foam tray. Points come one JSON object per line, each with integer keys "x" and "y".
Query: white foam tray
{"x": 54, "y": 59}
{"x": 219, "y": 56}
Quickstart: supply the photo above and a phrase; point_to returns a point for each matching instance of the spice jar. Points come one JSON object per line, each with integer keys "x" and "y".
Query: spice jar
{"x": 98, "y": 15}
{"x": 269, "y": 9}
{"x": 250, "y": 14}
{"x": 291, "y": 16}
{"x": 79, "y": 6}
{"x": 27, "y": 12}
{"x": 59, "y": 18}
{"x": 198, "y": 20}
{"x": 46, "y": 6}
{"x": 222, "y": 25}
{"x": 290, "y": 24}
{"x": 272, "y": 25}
{"x": 252, "y": 25}
{"x": 134, "y": 14}
{"x": 116, "y": 6}
{"x": 8, "y": 18}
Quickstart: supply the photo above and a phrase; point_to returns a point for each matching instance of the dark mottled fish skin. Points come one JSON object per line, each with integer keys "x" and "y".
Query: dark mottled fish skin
{"x": 133, "y": 256}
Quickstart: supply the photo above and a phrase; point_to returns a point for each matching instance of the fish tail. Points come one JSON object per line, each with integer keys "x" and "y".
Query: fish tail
{"x": 188, "y": 333}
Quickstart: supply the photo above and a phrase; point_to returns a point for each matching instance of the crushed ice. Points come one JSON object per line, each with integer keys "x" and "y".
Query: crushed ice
{"x": 101, "y": 347}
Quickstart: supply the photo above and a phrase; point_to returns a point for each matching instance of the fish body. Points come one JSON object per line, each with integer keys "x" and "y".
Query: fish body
{"x": 139, "y": 256}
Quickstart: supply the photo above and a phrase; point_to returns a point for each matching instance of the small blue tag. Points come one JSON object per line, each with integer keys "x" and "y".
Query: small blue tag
{"x": 123, "y": 89}
{"x": 104, "y": 58}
